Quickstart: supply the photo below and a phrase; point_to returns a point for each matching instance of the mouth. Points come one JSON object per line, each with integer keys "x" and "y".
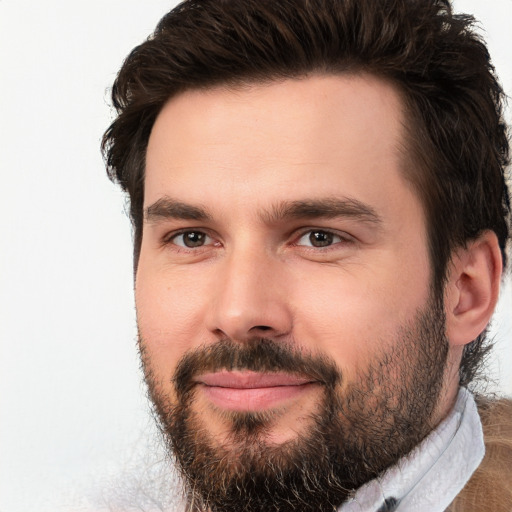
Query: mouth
{"x": 252, "y": 391}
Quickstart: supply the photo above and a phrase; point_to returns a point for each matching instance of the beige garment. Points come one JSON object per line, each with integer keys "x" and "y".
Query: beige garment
{"x": 490, "y": 487}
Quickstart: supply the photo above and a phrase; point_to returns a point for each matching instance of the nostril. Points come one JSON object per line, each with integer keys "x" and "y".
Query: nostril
{"x": 261, "y": 328}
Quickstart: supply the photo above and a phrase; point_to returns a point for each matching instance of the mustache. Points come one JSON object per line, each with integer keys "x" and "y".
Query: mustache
{"x": 258, "y": 355}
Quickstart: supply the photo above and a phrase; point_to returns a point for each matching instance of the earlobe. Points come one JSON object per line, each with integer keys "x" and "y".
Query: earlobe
{"x": 473, "y": 287}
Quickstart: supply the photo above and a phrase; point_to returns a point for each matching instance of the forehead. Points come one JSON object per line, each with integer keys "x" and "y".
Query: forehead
{"x": 317, "y": 136}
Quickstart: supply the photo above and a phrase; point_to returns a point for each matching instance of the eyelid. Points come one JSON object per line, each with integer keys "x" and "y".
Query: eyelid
{"x": 343, "y": 235}
{"x": 168, "y": 238}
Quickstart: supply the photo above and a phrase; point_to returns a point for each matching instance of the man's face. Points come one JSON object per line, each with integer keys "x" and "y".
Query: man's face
{"x": 283, "y": 287}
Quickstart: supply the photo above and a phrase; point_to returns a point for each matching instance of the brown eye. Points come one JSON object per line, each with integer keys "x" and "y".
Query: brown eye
{"x": 191, "y": 239}
{"x": 319, "y": 238}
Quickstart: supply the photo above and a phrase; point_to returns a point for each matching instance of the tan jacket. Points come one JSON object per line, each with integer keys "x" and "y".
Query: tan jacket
{"x": 490, "y": 487}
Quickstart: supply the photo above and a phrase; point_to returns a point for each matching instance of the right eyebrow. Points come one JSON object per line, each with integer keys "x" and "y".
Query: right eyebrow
{"x": 168, "y": 208}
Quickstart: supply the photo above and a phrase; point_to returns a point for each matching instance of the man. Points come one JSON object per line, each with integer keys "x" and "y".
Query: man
{"x": 321, "y": 217}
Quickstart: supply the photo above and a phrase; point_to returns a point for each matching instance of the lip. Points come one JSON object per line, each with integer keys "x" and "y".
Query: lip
{"x": 252, "y": 391}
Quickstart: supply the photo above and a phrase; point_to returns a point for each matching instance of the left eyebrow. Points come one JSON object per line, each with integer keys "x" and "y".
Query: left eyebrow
{"x": 323, "y": 208}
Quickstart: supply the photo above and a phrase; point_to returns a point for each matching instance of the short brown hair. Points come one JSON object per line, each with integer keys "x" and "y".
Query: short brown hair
{"x": 457, "y": 143}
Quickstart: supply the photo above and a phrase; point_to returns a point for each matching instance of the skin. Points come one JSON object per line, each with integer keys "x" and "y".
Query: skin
{"x": 243, "y": 156}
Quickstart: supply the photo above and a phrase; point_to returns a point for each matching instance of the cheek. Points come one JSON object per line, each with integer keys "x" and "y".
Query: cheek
{"x": 353, "y": 314}
{"x": 168, "y": 313}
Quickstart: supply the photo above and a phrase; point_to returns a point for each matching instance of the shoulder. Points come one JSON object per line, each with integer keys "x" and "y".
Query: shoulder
{"x": 490, "y": 487}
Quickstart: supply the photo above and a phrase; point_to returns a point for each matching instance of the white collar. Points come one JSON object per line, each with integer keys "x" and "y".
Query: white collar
{"x": 431, "y": 476}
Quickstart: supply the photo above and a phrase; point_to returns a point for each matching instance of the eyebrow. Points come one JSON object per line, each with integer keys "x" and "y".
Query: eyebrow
{"x": 169, "y": 208}
{"x": 323, "y": 208}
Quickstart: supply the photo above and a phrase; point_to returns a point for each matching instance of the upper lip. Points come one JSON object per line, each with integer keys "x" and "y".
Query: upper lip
{"x": 246, "y": 379}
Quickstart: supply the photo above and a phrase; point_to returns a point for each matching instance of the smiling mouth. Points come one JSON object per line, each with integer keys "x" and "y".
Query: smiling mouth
{"x": 252, "y": 391}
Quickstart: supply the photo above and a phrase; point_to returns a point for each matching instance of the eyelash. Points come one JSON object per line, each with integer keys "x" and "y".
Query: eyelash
{"x": 170, "y": 239}
{"x": 344, "y": 238}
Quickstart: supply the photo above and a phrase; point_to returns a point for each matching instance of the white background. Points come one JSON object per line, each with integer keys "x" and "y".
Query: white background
{"x": 75, "y": 432}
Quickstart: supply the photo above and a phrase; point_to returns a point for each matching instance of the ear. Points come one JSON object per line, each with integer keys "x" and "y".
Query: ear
{"x": 472, "y": 289}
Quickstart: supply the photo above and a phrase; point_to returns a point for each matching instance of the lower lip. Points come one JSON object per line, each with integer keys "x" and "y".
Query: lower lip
{"x": 253, "y": 399}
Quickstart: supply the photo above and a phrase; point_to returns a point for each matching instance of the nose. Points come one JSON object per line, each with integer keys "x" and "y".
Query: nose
{"x": 249, "y": 298}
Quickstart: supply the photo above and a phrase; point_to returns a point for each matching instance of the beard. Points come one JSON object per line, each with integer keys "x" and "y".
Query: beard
{"x": 356, "y": 431}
